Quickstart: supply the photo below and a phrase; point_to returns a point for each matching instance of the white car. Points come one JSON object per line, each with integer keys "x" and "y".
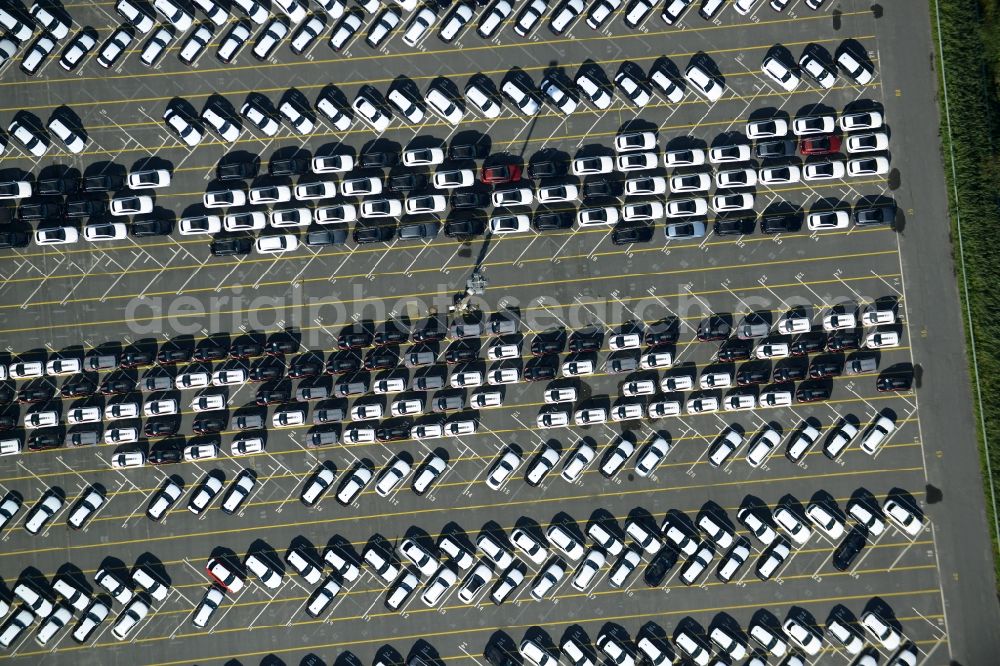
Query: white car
{"x": 200, "y": 452}
{"x": 452, "y": 179}
{"x": 483, "y": 100}
{"x": 790, "y": 523}
{"x": 79, "y": 415}
{"x": 780, "y": 175}
{"x": 865, "y": 120}
{"x": 763, "y": 444}
{"x": 502, "y": 469}
{"x": 276, "y": 244}
{"x": 769, "y": 128}
{"x": 803, "y": 635}
{"x": 423, "y": 157}
{"x": 128, "y": 458}
{"x": 142, "y": 21}
{"x": 722, "y": 203}
{"x": 867, "y": 166}
{"x": 867, "y": 142}
{"x": 593, "y": 91}
{"x": 768, "y": 350}
{"x": 690, "y": 182}
{"x": 816, "y": 70}
{"x": 839, "y": 321}
{"x": 902, "y": 517}
{"x": 808, "y": 125}
{"x": 164, "y": 407}
{"x": 419, "y": 26}
{"x": 876, "y": 434}
{"x": 702, "y": 405}
{"x": 378, "y": 119}
{"x": 883, "y": 632}
{"x": 587, "y": 166}
{"x": 507, "y": 224}
{"x": 703, "y": 83}
{"x": 520, "y": 97}
{"x": 636, "y": 212}
{"x": 105, "y": 231}
{"x": 734, "y": 152}
{"x": 861, "y": 72}
{"x": 826, "y": 521}
{"x": 443, "y": 106}
{"x": 781, "y": 74}
{"x": 56, "y": 236}
{"x": 229, "y": 377}
{"x": 131, "y": 205}
{"x": 826, "y": 220}
{"x": 72, "y": 139}
{"x": 825, "y": 170}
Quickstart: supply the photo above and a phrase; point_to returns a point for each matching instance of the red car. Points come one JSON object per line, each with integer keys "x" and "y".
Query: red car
{"x": 501, "y": 173}
{"x": 826, "y": 144}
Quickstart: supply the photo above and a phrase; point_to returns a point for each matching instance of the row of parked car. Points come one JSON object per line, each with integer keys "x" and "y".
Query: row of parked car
{"x": 303, "y": 25}
{"x": 792, "y": 641}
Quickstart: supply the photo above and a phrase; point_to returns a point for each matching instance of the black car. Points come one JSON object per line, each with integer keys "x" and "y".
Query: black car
{"x": 280, "y": 347}
{"x": 776, "y": 149}
{"x": 151, "y": 227}
{"x": 160, "y": 428}
{"x": 465, "y": 199}
{"x": 365, "y": 233}
{"x": 776, "y": 224}
{"x": 464, "y": 227}
{"x": 418, "y": 230}
{"x": 661, "y": 334}
{"x": 236, "y": 170}
{"x": 789, "y": 373}
{"x": 354, "y": 340}
{"x": 228, "y": 247}
{"x": 10, "y": 239}
{"x": 843, "y": 341}
{"x": 379, "y": 159}
{"x": 288, "y": 167}
{"x": 209, "y": 352}
{"x": 552, "y": 220}
{"x": 117, "y": 385}
{"x": 734, "y": 226}
{"x": 266, "y": 370}
{"x": 869, "y": 216}
{"x": 324, "y": 237}
{"x": 590, "y": 342}
{"x": 381, "y": 359}
{"x": 598, "y": 188}
{"x": 166, "y": 455}
{"x": 749, "y": 375}
{"x": 42, "y": 440}
{"x": 536, "y": 372}
{"x": 659, "y": 567}
{"x": 734, "y": 349}
{"x": 392, "y": 432}
{"x": 173, "y": 356}
{"x": 390, "y": 334}
{"x": 85, "y": 207}
{"x": 208, "y": 425}
{"x": 550, "y": 344}
{"x": 628, "y": 233}
{"x": 247, "y": 349}
{"x": 807, "y": 393}
{"x": 714, "y": 328}
{"x": 32, "y": 394}
{"x": 135, "y": 358}
{"x": 6, "y": 395}
{"x": 463, "y": 151}
{"x": 850, "y": 548}
{"x": 343, "y": 362}
{"x": 807, "y": 343}
{"x": 895, "y": 382}
{"x": 39, "y": 210}
{"x": 305, "y": 367}
{"x": 549, "y": 167}
{"x": 104, "y": 182}
{"x": 272, "y": 396}
{"x": 57, "y": 186}
{"x": 431, "y": 331}
{"x": 78, "y": 387}
{"x": 407, "y": 182}
{"x": 825, "y": 368}
{"x": 461, "y": 352}
{"x": 7, "y": 422}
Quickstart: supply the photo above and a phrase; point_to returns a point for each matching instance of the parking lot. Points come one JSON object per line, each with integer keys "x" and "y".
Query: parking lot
{"x": 140, "y": 292}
